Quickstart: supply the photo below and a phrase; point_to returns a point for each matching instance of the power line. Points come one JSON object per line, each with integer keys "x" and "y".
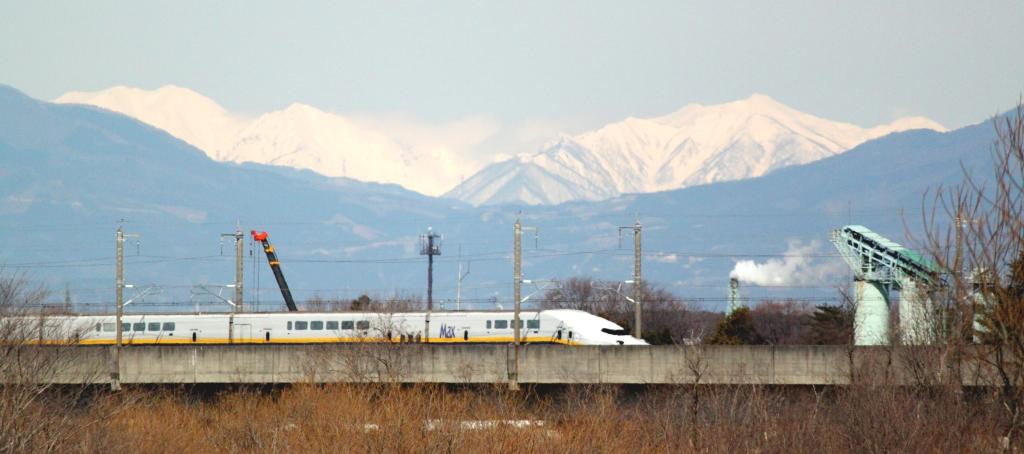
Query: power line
{"x": 534, "y": 302}
{"x": 483, "y": 257}
{"x": 475, "y": 216}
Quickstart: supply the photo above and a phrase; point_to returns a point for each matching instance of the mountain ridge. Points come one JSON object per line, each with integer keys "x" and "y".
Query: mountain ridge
{"x": 693, "y": 145}
{"x": 73, "y": 171}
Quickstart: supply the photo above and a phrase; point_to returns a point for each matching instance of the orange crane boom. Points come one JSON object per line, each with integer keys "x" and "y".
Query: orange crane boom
{"x": 275, "y": 266}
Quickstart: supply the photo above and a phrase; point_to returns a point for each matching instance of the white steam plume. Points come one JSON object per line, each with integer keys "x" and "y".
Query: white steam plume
{"x": 796, "y": 267}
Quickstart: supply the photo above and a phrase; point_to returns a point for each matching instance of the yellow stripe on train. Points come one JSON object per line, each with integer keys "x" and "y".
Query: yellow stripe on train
{"x": 310, "y": 340}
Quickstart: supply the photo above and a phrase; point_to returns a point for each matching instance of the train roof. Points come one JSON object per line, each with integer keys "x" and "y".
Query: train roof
{"x": 572, "y": 313}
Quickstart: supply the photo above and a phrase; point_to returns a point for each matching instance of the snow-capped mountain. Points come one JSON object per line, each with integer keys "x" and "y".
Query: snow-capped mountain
{"x": 305, "y": 137}
{"x": 70, "y": 172}
{"x": 299, "y": 136}
{"x": 692, "y": 146}
{"x": 183, "y": 113}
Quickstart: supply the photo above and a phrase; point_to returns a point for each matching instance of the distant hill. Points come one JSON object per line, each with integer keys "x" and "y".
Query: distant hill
{"x": 68, "y": 173}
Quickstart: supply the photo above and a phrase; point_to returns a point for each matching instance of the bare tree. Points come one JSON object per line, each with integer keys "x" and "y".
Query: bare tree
{"x": 317, "y": 303}
{"x": 585, "y": 294}
{"x": 379, "y": 354}
{"x": 665, "y": 317}
{"x": 34, "y": 413}
{"x": 782, "y": 322}
{"x": 973, "y": 232}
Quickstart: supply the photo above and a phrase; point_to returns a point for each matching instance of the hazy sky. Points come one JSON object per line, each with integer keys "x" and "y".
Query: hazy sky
{"x": 569, "y": 64}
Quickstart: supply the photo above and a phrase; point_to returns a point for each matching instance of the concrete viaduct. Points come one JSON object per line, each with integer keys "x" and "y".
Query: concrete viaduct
{"x": 539, "y": 364}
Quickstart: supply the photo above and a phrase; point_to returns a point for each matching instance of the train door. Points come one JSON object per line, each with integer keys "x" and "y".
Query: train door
{"x": 241, "y": 333}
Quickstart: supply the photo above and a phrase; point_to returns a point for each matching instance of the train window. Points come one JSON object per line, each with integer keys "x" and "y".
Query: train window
{"x": 266, "y": 336}
{"x": 193, "y": 336}
{"x": 332, "y": 325}
{"x": 109, "y": 327}
{"x": 488, "y": 324}
{"x": 138, "y": 326}
{"x": 155, "y": 326}
{"x": 570, "y": 334}
{"x": 168, "y": 326}
{"x": 558, "y": 334}
{"x": 465, "y": 335}
{"x": 289, "y": 326}
{"x": 98, "y": 327}
{"x": 301, "y": 326}
{"x": 533, "y": 324}
{"x": 126, "y": 327}
{"x": 316, "y": 325}
{"x": 347, "y": 324}
{"x": 363, "y": 324}
{"x": 500, "y": 324}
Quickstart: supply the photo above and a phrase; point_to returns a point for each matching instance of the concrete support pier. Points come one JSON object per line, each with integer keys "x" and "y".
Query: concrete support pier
{"x": 871, "y": 315}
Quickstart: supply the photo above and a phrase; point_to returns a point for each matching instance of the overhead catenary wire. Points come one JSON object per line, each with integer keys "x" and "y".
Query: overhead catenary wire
{"x": 479, "y": 286}
{"x": 301, "y": 257}
{"x": 495, "y": 256}
{"x": 623, "y": 213}
{"x": 477, "y": 302}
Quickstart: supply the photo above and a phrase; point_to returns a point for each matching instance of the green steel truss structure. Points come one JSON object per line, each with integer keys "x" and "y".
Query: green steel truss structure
{"x": 880, "y": 265}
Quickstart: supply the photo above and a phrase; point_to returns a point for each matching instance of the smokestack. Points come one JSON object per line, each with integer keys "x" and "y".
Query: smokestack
{"x": 734, "y": 295}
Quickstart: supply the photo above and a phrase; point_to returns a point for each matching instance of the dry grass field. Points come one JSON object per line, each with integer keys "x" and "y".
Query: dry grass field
{"x": 393, "y": 418}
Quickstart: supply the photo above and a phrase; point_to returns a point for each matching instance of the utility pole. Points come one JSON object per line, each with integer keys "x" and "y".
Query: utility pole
{"x": 430, "y": 245}
{"x": 637, "y": 313}
{"x": 115, "y": 373}
{"x": 517, "y": 283}
{"x": 255, "y": 272}
{"x": 239, "y": 238}
{"x": 975, "y": 278}
{"x": 962, "y": 222}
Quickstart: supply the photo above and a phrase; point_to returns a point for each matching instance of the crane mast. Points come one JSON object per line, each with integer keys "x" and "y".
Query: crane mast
{"x": 275, "y": 266}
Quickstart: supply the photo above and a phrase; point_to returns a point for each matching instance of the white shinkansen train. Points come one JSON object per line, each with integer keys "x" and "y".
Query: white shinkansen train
{"x": 561, "y": 326}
